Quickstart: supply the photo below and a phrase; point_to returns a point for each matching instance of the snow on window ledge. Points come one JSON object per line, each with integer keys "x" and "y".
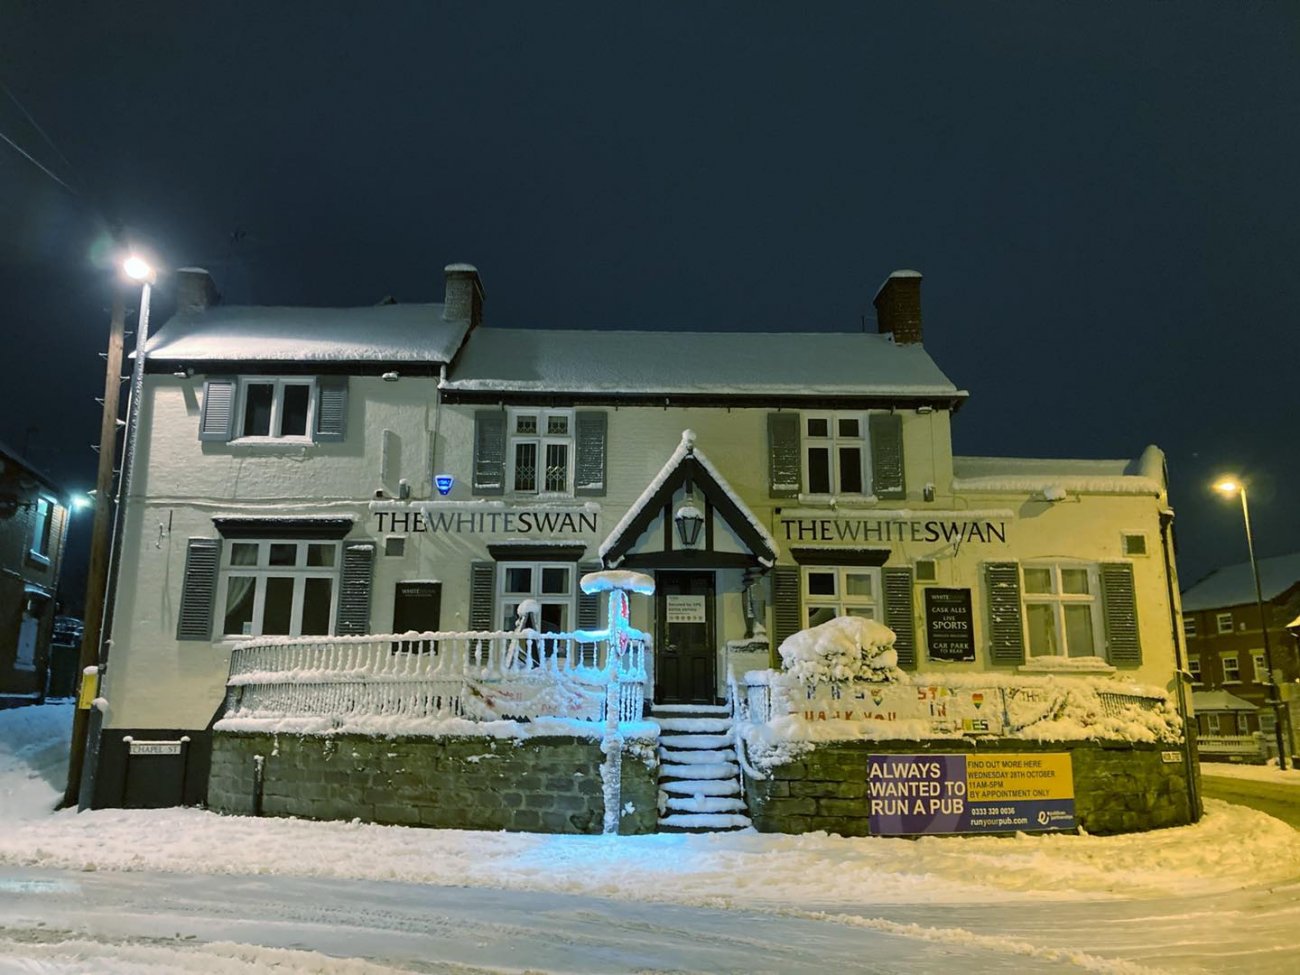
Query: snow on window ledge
{"x": 263, "y": 443}
{"x": 1066, "y": 665}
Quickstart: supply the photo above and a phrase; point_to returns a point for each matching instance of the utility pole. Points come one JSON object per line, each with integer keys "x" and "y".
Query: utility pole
{"x": 97, "y": 575}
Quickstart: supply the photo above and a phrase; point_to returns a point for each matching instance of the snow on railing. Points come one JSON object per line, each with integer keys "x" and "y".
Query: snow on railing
{"x": 481, "y": 676}
{"x": 740, "y": 710}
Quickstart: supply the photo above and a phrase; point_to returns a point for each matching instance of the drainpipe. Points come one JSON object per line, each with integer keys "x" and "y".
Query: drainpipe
{"x": 1176, "y": 631}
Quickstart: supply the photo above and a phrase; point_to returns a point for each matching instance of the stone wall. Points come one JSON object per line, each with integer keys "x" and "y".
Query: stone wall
{"x": 547, "y": 785}
{"x": 1119, "y": 787}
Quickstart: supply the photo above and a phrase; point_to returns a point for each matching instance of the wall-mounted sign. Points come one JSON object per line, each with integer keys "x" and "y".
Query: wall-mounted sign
{"x": 154, "y": 747}
{"x": 443, "y": 483}
{"x": 496, "y": 521}
{"x": 911, "y": 795}
{"x": 684, "y": 609}
{"x": 928, "y": 530}
{"x": 949, "y": 626}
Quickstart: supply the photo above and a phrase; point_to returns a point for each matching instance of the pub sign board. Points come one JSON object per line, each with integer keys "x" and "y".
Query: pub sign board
{"x": 916, "y": 795}
{"x": 949, "y": 626}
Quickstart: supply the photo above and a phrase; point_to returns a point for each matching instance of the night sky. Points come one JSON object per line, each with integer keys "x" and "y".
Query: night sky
{"x": 1103, "y": 199}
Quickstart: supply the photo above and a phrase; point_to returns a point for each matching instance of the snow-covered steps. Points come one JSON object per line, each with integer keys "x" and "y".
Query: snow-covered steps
{"x": 699, "y": 773}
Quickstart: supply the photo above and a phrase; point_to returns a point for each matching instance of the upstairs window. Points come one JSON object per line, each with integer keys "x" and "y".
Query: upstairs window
{"x": 1189, "y": 625}
{"x": 1260, "y": 663}
{"x": 1231, "y": 669}
{"x": 1194, "y": 668}
{"x": 42, "y": 529}
{"x": 274, "y": 409}
{"x": 541, "y": 452}
{"x": 1223, "y": 621}
{"x": 835, "y": 453}
{"x": 1062, "y": 610}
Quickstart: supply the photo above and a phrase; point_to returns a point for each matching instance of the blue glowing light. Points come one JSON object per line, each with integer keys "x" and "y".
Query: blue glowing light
{"x": 443, "y": 483}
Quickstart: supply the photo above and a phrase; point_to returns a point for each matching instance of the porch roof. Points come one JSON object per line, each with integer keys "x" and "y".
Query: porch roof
{"x": 1220, "y": 701}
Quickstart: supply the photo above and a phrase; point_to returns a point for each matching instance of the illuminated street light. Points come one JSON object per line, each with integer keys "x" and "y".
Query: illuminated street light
{"x": 1228, "y": 486}
{"x": 104, "y": 547}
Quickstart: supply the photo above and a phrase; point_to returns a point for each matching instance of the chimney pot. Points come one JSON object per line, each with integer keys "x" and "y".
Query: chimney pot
{"x": 464, "y": 295}
{"x": 898, "y": 307}
{"x": 195, "y": 290}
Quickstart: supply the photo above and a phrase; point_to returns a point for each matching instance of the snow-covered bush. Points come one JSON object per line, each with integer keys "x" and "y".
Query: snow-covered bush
{"x": 845, "y": 648}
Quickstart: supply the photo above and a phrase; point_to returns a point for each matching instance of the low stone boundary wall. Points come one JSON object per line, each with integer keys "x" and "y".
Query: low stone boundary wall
{"x": 1119, "y": 787}
{"x": 544, "y": 784}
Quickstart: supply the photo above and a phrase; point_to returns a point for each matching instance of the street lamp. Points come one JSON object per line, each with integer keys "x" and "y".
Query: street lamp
{"x": 103, "y": 548}
{"x": 1228, "y": 486}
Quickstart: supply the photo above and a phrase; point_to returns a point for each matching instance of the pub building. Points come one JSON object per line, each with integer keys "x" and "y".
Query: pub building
{"x": 334, "y": 471}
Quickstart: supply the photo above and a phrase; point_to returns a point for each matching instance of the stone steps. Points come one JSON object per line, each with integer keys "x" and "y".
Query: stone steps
{"x": 699, "y": 773}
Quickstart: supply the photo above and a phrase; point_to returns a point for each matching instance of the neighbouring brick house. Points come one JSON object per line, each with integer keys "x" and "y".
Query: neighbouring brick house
{"x": 33, "y": 530}
{"x": 1225, "y": 645}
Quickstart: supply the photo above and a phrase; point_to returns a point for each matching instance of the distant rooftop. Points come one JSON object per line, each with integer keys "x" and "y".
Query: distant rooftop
{"x": 248, "y": 333}
{"x": 1055, "y": 478}
{"x": 699, "y": 363}
{"x": 1234, "y": 585}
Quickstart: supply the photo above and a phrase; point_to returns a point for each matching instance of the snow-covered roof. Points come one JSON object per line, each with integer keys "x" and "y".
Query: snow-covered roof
{"x": 1234, "y": 585}
{"x": 1219, "y": 701}
{"x": 701, "y": 363}
{"x": 250, "y": 333}
{"x": 1054, "y": 478}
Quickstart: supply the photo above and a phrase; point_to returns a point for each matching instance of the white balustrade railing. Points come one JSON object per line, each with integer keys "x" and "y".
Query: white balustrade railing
{"x": 475, "y": 675}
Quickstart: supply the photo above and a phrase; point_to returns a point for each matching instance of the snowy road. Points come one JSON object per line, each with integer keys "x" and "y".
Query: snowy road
{"x": 187, "y": 923}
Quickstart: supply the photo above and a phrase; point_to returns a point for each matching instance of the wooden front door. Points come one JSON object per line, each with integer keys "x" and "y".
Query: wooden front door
{"x": 685, "y": 655}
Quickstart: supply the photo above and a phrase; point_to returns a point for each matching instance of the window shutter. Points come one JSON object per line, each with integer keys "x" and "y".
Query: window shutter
{"x": 588, "y": 603}
{"x": 482, "y": 594}
{"x": 331, "y": 408}
{"x": 900, "y": 614}
{"x": 1006, "y": 632}
{"x": 198, "y": 589}
{"x": 354, "y": 589}
{"x": 589, "y": 464}
{"x": 1119, "y": 605}
{"x": 489, "y": 452}
{"x": 784, "y": 463}
{"x": 217, "y": 419}
{"x": 786, "y": 621}
{"x": 886, "y": 432}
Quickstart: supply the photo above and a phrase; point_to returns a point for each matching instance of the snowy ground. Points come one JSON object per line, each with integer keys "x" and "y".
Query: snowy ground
{"x": 1255, "y": 773}
{"x": 185, "y": 890}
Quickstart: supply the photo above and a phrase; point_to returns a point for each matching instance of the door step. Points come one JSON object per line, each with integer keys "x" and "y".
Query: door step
{"x": 700, "y": 789}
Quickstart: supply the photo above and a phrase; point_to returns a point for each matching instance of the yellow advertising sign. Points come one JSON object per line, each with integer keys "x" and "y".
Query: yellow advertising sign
{"x": 1004, "y": 778}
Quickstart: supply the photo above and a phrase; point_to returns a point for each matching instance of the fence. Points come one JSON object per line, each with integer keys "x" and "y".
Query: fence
{"x": 477, "y": 676}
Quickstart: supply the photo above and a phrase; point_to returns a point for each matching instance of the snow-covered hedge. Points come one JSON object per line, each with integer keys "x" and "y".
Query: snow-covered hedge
{"x": 843, "y": 649}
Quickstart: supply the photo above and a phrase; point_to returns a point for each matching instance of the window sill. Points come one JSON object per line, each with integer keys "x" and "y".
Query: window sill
{"x": 271, "y": 442}
{"x": 1066, "y": 665}
{"x": 838, "y": 500}
{"x": 36, "y": 558}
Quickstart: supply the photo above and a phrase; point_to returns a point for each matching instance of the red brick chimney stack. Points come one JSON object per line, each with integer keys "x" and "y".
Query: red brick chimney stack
{"x": 898, "y": 307}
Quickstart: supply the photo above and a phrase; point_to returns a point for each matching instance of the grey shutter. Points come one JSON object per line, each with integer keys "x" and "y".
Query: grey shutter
{"x": 482, "y": 594}
{"x": 217, "y": 418}
{"x": 784, "y": 463}
{"x": 589, "y": 464}
{"x": 900, "y": 615}
{"x": 1119, "y": 605}
{"x": 588, "y": 603}
{"x": 198, "y": 589}
{"x": 354, "y": 589}
{"x": 331, "y": 408}
{"x": 1006, "y": 632}
{"x": 886, "y": 432}
{"x": 489, "y": 452}
{"x": 786, "y": 619}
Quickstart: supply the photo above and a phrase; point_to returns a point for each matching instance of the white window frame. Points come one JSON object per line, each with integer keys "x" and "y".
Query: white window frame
{"x": 1223, "y": 622}
{"x": 1194, "y": 668}
{"x": 1189, "y": 625}
{"x": 1260, "y": 665}
{"x": 279, "y": 384}
{"x": 567, "y": 600}
{"x": 42, "y": 528}
{"x": 841, "y": 602}
{"x": 1230, "y": 658}
{"x": 1212, "y": 723}
{"x": 543, "y": 441}
{"x": 260, "y": 572}
{"x": 1058, "y": 599}
{"x": 833, "y": 442}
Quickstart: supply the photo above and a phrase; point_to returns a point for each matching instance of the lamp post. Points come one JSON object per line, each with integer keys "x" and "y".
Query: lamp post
{"x": 1228, "y": 486}
{"x": 107, "y": 511}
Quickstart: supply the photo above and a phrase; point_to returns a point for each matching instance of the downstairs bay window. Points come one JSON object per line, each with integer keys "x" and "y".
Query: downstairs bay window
{"x": 1062, "y": 610}
{"x": 831, "y": 591}
{"x": 278, "y": 588}
{"x": 548, "y": 585}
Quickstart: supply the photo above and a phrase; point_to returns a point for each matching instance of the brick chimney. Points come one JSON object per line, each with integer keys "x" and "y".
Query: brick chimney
{"x": 195, "y": 291}
{"x": 464, "y": 300}
{"x": 898, "y": 307}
